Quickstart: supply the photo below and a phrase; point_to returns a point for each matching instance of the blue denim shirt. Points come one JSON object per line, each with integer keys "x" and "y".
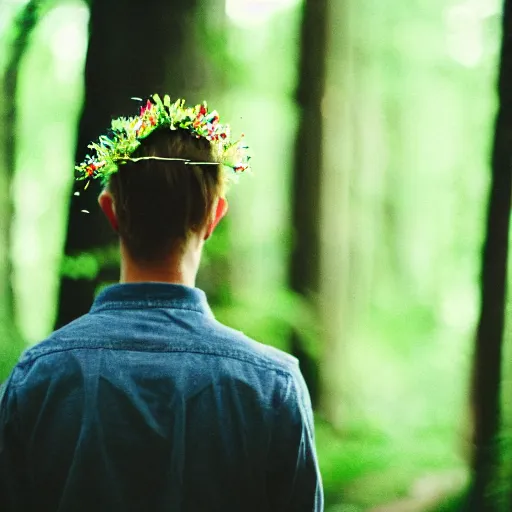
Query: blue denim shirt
{"x": 147, "y": 403}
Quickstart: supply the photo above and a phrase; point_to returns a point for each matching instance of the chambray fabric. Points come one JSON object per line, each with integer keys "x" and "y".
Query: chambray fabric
{"x": 147, "y": 403}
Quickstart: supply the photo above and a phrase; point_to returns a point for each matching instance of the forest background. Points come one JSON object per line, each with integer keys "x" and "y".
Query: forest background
{"x": 370, "y": 240}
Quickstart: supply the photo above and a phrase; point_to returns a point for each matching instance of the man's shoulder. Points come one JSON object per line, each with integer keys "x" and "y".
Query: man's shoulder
{"x": 55, "y": 342}
{"x": 213, "y": 338}
{"x": 260, "y": 352}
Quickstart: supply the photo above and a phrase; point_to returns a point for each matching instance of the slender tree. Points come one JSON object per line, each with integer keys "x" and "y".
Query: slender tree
{"x": 23, "y": 27}
{"x": 134, "y": 50}
{"x": 304, "y": 267}
{"x": 489, "y": 337}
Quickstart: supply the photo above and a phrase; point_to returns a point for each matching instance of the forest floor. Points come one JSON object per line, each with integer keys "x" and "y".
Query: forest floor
{"x": 374, "y": 474}
{"x": 435, "y": 492}
{"x": 428, "y": 493}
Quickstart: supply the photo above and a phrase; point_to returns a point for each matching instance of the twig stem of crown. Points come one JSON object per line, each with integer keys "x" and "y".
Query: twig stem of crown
{"x": 126, "y": 135}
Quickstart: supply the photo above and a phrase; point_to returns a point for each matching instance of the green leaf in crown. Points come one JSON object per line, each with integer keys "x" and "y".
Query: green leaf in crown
{"x": 127, "y": 133}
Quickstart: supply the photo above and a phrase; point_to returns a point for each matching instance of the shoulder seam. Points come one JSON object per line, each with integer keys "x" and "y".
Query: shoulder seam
{"x": 28, "y": 359}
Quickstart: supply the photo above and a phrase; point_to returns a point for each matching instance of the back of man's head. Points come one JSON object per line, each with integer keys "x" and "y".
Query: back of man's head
{"x": 160, "y": 203}
{"x": 165, "y": 170}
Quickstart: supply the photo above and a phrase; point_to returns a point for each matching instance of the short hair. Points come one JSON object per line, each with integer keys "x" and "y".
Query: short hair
{"x": 158, "y": 204}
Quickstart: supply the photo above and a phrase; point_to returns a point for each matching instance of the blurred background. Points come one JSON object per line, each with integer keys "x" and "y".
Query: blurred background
{"x": 356, "y": 244}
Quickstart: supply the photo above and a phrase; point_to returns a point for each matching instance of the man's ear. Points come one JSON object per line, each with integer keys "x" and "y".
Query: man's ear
{"x": 106, "y": 202}
{"x": 220, "y": 212}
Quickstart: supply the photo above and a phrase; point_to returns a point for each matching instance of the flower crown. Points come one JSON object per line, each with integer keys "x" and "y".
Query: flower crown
{"x": 126, "y": 135}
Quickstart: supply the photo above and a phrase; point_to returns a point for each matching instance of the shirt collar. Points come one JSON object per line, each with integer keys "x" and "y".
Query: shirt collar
{"x": 151, "y": 295}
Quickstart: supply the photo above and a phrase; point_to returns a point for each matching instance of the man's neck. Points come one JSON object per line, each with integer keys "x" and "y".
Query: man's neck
{"x": 178, "y": 268}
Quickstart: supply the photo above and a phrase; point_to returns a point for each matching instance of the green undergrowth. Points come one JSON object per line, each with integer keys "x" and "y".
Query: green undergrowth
{"x": 361, "y": 470}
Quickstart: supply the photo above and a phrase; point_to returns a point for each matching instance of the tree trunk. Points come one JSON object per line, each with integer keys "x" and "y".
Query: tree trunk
{"x": 489, "y": 338}
{"x": 24, "y": 25}
{"x": 336, "y": 210}
{"x": 304, "y": 267}
{"x": 135, "y": 50}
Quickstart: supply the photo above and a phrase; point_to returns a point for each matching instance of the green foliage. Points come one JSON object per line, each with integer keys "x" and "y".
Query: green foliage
{"x": 271, "y": 319}
{"x": 455, "y": 503}
{"x": 408, "y": 111}
{"x": 11, "y": 347}
{"x": 126, "y": 135}
{"x": 365, "y": 468}
{"x": 87, "y": 265}
{"x": 235, "y": 51}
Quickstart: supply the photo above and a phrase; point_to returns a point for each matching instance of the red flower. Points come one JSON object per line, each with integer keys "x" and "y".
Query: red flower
{"x": 146, "y": 107}
{"x": 203, "y": 111}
